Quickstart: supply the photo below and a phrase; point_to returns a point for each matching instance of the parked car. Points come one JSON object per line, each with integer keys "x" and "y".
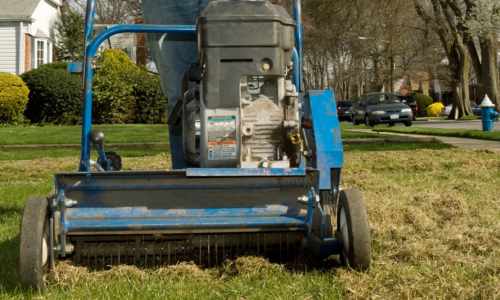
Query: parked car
{"x": 411, "y": 101}
{"x": 381, "y": 108}
{"x": 476, "y": 109}
{"x": 344, "y": 110}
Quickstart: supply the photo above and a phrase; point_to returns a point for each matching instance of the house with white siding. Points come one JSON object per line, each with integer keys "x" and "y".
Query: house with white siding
{"x": 27, "y": 33}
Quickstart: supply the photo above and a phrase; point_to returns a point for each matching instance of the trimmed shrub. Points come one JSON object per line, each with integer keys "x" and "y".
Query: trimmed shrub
{"x": 422, "y": 102}
{"x": 151, "y": 104}
{"x": 126, "y": 93}
{"x": 435, "y": 109}
{"x": 114, "y": 100}
{"x": 13, "y": 98}
{"x": 123, "y": 93}
{"x": 55, "y": 95}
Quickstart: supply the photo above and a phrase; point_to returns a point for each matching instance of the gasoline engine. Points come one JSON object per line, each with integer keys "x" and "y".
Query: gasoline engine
{"x": 240, "y": 108}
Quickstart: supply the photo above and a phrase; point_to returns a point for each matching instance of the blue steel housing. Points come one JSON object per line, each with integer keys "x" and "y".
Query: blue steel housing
{"x": 201, "y": 200}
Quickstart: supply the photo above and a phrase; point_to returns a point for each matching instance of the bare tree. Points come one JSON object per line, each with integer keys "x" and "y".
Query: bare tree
{"x": 357, "y": 46}
{"x": 467, "y": 29}
{"x": 114, "y": 11}
{"x": 482, "y": 19}
{"x": 443, "y": 19}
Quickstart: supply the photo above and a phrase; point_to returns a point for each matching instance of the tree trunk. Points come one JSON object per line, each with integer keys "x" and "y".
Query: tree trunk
{"x": 462, "y": 64}
{"x": 489, "y": 72}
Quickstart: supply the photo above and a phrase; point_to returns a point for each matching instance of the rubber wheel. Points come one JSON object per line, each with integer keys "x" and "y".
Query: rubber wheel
{"x": 113, "y": 158}
{"x": 408, "y": 124}
{"x": 329, "y": 206}
{"x": 116, "y": 160}
{"x": 34, "y": 249}
{"x": 353, "y": 230}
{"x": 368, "y": 122}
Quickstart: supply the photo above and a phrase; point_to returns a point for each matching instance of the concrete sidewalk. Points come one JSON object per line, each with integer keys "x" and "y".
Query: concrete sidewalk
{"x": 452, "y": 124}
{"x": 464, "y": 143}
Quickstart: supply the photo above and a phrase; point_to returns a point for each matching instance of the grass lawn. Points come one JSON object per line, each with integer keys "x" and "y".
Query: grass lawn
{"x": 128, "y": 140}
{"x": 115, "y": 134}
{"x": 462, "y": 133}
{"x": 434, "y": 214}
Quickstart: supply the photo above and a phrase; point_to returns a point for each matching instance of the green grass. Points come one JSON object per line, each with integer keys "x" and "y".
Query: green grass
{"x": 115, "y": 134}
{"x": 395, "y": 146}
{"x": 54, "y": 152}
{"x": 434, "y": 223}
{"x": 352, "y": 135}
{"x": 348, "y": 134}
{"x": 461, "y": 133}
{"x": 433, "y": 215}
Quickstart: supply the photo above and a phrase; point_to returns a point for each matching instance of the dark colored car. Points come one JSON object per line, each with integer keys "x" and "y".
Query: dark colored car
{"x": 476, "y": 109}
{"x": 381, "y": 108}
{"x": 344, "y": 110}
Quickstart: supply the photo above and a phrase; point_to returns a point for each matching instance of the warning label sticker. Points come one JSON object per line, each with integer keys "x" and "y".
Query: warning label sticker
{"x": 222, "y": 143}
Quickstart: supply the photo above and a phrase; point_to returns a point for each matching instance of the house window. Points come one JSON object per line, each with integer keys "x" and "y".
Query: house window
{"x": 40, "y": 53}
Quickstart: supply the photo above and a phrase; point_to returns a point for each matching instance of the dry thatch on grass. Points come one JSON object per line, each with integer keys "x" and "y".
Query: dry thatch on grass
{"x": 434, "y": 214}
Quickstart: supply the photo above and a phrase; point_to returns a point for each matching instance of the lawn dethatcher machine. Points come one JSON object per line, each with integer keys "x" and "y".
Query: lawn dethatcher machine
{"x": 264, "y": 162}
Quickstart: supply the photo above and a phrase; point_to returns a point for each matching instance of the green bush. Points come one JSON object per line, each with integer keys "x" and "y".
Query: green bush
{"x": 13, "y": 98}
{"x": 151, "y": 104}
{"x": 123, "y": 93}
{"x": 55, "y": 95}
{"x": 422, "y": 102}
{"x": 126, "y": 93}
{"x": 114, "y": 100}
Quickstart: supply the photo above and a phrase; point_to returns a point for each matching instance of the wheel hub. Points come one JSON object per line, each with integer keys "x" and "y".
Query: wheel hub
{"x": 45, "y": 251}
{"x": 344, "y": 230}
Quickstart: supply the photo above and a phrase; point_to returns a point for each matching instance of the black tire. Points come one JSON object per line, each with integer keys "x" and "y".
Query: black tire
{"x": 353, "y": 230}
{"x": 34, "y": 244}
{"x": 329, "y": 204}
{"x": 114, "y": 159}
{"x": 368, "y": 122}
{"x": 408, "y": 123}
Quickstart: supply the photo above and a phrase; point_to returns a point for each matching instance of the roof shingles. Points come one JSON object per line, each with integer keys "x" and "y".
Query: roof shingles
{"x": 17, "y": 9}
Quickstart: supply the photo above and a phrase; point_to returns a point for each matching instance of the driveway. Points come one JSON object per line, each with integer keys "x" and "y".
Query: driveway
{"x": 474, "y": 124}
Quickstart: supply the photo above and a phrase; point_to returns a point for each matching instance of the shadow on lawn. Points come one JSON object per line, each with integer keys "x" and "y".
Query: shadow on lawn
{"x": 9, "y": 256}
{"x": 9, "y": 211}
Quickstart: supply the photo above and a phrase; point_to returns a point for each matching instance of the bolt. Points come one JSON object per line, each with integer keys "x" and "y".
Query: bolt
{"x": 70, "y": 203}
{"x": 303, "y": 199}
{"x": 70, "y": 248}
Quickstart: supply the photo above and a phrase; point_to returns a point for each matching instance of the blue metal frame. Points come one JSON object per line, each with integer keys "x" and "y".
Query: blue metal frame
{"x": 327, "y": 135}
{"x": 174, "y": 31}
{"x": 234, "y": 172}
{"x": 94, "y": 214}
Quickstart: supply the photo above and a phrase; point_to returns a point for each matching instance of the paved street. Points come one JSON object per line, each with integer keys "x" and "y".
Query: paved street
{"x": 474, "y": 125}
